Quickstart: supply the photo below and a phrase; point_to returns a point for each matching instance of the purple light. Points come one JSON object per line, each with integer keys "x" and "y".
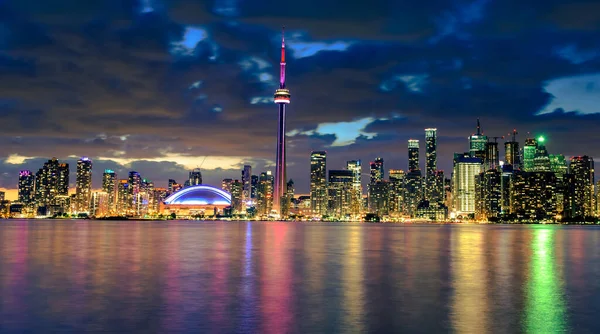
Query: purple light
{"x": 25, "y": 173}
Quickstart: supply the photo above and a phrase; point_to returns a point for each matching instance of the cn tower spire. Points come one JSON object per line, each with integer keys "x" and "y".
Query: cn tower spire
{"x": 282, "y": 63}
{"x": 281, "y": 98}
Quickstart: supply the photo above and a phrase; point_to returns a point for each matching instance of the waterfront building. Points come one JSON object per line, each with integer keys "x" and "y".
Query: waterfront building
{"x": 465, "y": 169}
{"x": 432, "y": 211}
{"x": 237, "y": 197}
{"x": 200, "y": 200}
{"x": 26, "y": 189}
{"x": 247, "y": 184}
{"x": 340, "y": 193}
{"x": 109, "y": 186}
{"x": 318, "y": 182}
{"x": 83, "y": 185}
{"x": 413, "y": 192}
{"x": 581, "y": 194}
{"x": 532, "y": 196}
{"x": 397, "y": 192}
{"x": 488, "y": 195}
{"x": 123, "y": 197}
{"x": 541, "y": 161}
{"x": 379, "y": 196}
{"x": 512, "y": 154}
{"x": 431, "y": 186}
{"x": 356, "y": 168}
{"x": 265, "y": 194}
{"x": 99, "y": 204}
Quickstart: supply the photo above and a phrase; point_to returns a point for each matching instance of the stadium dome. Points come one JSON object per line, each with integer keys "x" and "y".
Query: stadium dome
{"x": 199, "y": 195}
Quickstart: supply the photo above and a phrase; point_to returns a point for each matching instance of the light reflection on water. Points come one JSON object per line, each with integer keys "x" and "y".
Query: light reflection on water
{"x": 296, "y": 278}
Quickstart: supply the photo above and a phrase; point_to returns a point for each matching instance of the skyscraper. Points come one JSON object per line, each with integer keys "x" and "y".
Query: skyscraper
{"x": 123, "y": 197}
{"x": 134, "y": 188}
{"x": 463, "y": 188}
{"x": 477, "y": 143}
{"x": 529, "y": 152}
{"x": 492, "y": 156}
{"x": 582, "y": 185}
{"x": 340, "y": 191}
{"x": 318, "y": 182}
{"x": 356, "y": 168}
{"x": 26, "y": 187}
{"x": 62, "y": 185}
{"x": 264, "y": 193}
{"x": 511, "y": 152}
{"x": 397, "y": 191}
{"x": 237, "y": 203}
{"x": 247, "y": 183}
{"x": 413, "y": 155}
{"x": 109, "y": 186}
{"x": 227, "y": 185}
{"x": 541, "y": 161}
{"x": 282, "y": 98}
{"x": 83, "y": 184}
{"x": 195, "y": 177}
{"x": 430, "y": 162}
{"x": 377, "y": 171}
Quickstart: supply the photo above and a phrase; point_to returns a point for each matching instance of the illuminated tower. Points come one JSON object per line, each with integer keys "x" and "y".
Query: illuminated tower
{"x": 282, "y": 98}
{"x": 377, "y": 172}
{"x": 413, "y": 155}
{"x": 529, "y": 152}
{"x": 477, "y": 143}
{"x": 430, "y": 162}
{"x": 318, "y": 182}
{"x": 109, "y": 186}
{"x": 26, "y": 187}
{"x": 83, "y": 184}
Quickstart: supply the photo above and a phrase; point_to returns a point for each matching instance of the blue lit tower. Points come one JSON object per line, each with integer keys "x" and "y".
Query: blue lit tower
{"x": 281, "y": 97}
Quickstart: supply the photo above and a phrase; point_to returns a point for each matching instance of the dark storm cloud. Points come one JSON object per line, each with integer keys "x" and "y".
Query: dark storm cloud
{"x": 145, "y": 79}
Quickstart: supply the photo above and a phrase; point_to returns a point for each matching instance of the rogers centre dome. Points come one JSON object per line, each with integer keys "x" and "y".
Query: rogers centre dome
{"x": 196, "y": 199}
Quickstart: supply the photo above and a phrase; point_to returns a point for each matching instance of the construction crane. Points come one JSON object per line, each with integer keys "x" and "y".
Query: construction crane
{"x": 496, "y": 138}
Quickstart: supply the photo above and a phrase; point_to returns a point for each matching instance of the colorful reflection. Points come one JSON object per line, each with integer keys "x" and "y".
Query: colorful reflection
{"x": 470, "y": 302}
{"x": 545, "y": 309}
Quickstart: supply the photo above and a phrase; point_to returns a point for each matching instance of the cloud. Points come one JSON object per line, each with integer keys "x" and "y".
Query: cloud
{"x": 345, "y": 133}
{"x": 579, "y": 94}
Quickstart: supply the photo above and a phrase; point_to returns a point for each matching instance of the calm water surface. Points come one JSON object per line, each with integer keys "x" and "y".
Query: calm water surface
{"x": 222, "y": 277}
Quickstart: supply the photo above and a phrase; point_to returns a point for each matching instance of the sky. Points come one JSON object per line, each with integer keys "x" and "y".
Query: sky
{"x": 162, "y": 87}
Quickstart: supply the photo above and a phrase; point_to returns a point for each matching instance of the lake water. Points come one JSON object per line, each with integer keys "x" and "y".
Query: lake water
{"x": 238, "y": 277}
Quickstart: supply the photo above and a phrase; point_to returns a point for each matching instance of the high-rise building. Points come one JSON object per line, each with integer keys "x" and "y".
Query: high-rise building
{"x": 282, "y": 99}
{"x": 287, "y": 202}
{"x": 512, "y": 154}
{"x": 340, "y": 192}
{"x": 99, "y": 204}
{"x": 26, "y": 187}
{"x": 379, "y": 196}
{"x": 463, "y": 187}
{"x": 397, "y": 192}
{"x": 83, "y": 184}
{"x": 356, "y": 168}
{"x": 582, "y": 187}
{"x": 318, "y": 182}
{"x": 123, "y": 197}
{"x": 430, "y": 163}
{"x": 109, "y": 186}
{"x": 135, "y": 184}
{"x": 414, "y": 193}
{"x": 173, "y": 186}
{"x": 532, "y": 196}
{"x": 488, "y": 195}
{"x": 237, "y": 197}
{"x": 247, "y": 183}
{"x": 227, "y": 185}
{"x": 195, "y": 177}
{"x": 254, "y": 187}
{"x": 541, "y": 161}
{"x": 558, "y": 165}
{"x": 492, "y": 156}
{"x": 377, "y": 171}
{"x": 413, "y": 155}
{"x": 264, "y": 194}
{"x": 529, "y": 152}
{"x": 477, "y": 143}
{"x": 63, "y": 180}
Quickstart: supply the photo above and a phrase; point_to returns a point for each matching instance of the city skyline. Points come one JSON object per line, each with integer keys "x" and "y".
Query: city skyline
{"x": 360, "y": 92}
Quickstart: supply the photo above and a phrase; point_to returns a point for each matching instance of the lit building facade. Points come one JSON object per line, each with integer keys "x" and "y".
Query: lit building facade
{"x": 194, "y": 177}
{"x": 463, "y": 176}
{"x": 83, "y": 184}
{"x": 488, "y": 195}
{"x": 413, "y": 155}
{"x": 379, "y": 196}
{"x": 376, "y": 170}
{"x": 582, "y": 187}
{"x": 265, "y": 193}
{"x": 318, "y": 182}
{"x": 541, "y": 161}
{"x": 100, "y": 204}
{"x": 237, "y": 197}
{"x": 356, "y": 167}
{"x": 247, "y": 183}
{"x": 397, "y": 192}
{"x": 431, "y": 187}
{"x": 227, "y": 184}
{"x": 26, "y": 189}
{"x": 282, "y": 99}
{"x": 532, "y": 196}
{"x": 512, "y": 154}
{"x": 340, "y": 192}
{"x": 529, "y": 152}
{"x": 109, "y": 186}
{"x": 477, "y": 144}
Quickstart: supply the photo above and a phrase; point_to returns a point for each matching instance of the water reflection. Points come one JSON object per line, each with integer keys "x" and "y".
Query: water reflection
{"x": 296, "y": 278}
{"x": 545, "y": 310}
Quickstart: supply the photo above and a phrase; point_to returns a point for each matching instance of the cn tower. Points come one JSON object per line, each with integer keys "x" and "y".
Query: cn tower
{"x": 282, "y": 98}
